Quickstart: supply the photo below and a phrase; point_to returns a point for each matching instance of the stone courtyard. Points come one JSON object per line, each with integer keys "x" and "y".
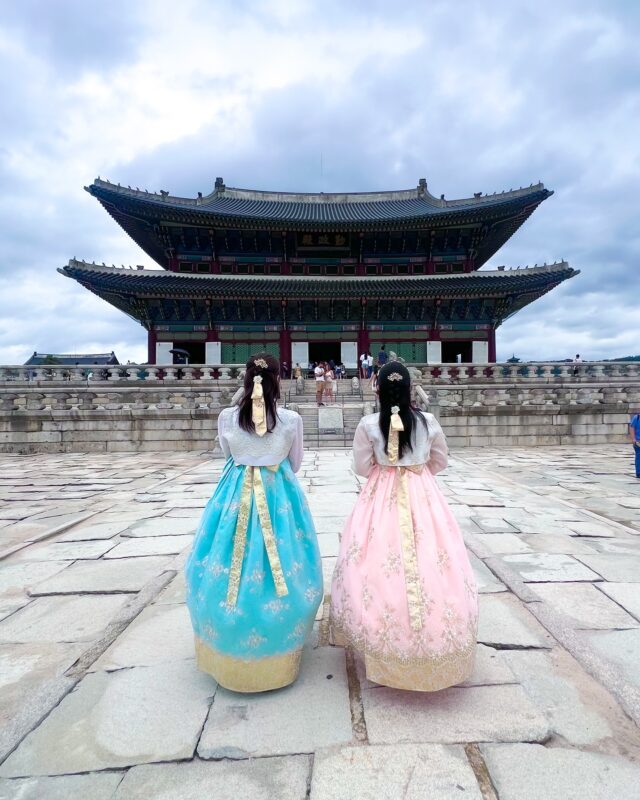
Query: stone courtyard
{"x": 100, "y": 699}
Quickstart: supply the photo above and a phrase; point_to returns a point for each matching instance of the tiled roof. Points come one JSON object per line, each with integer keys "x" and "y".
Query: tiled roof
{"x": 71, "y": 359}
{"x": 158, "y": 283}
{"x": 322, "y": 209}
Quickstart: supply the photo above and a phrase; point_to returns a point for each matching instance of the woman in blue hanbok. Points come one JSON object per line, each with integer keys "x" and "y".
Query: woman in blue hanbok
{"x": 254, "y": 576}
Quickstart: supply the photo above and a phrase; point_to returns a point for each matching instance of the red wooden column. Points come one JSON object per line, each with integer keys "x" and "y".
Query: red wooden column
{"x": 285, "y": 346}
{"x": 151, "y": 346}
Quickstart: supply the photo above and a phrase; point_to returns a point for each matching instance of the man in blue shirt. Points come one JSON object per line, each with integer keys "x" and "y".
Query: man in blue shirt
{"x": 634, "y": 436}
{"x": 382, "y": 356}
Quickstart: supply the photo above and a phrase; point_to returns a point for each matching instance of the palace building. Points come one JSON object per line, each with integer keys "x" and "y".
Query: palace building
{"x": 319, "y": 276}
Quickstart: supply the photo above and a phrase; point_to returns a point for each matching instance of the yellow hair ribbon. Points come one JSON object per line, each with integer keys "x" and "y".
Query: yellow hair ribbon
{"x": 258, "y": 414}
{"x": 395, "y": 425}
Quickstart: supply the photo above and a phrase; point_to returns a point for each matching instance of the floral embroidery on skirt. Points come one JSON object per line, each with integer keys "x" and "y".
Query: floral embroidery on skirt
{"x": 251, "y": 639}
{"x": 414, "y": 624}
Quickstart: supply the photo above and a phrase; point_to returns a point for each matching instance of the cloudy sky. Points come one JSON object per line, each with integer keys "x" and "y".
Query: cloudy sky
{"x": 473, "y": 96}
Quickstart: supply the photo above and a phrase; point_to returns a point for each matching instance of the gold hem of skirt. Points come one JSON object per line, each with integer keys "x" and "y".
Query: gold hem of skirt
{"x": 419, "y": 674}
{"x": 245, "y": 675}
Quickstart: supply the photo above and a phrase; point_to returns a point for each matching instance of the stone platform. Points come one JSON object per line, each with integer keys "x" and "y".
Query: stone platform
{"x": 100, "y": 699}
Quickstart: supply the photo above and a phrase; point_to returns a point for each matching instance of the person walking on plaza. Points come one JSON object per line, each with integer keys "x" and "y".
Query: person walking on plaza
{"x": 318, "y": 373}
{"x": 382, "y": 356}
{"x": 634, "y": 437}
{"x": 254, "y": 575}
{"x": 403, "y": 593}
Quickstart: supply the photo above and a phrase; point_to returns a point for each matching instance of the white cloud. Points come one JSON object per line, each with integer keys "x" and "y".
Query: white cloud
{"x": 170, "y": 96}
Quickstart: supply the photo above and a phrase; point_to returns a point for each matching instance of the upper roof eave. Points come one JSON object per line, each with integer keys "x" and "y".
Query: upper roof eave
{"x": 317, "y": 208}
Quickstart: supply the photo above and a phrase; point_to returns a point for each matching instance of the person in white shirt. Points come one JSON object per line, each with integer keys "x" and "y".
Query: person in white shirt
{"x": 254, "y": 575}
{"x": 363, "y": 365}
{"x": 576, "y": 369}
{"x": 319, "y": 376}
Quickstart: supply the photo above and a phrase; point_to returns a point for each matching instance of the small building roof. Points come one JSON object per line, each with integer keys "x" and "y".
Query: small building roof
{"x": 71, "y": 359}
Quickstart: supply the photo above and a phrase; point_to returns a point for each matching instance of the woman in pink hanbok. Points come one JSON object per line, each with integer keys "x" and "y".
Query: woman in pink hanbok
{"x": 403, "y": 592}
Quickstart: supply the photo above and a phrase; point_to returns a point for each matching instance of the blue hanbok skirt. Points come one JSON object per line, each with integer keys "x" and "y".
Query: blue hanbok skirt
{"x": 254, "y": 578}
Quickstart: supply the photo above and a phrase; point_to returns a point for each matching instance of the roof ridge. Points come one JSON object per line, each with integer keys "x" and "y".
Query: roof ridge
{"x": 220, "y": 191}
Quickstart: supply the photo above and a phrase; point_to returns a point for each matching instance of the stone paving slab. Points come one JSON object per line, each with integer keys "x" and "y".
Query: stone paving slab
{"x": 96, "y": 786}
{"x": 453, "y": 715}
{"x": 159, "y": 634}
{"x": 150, "y": 546}
{"x": 559, "y": 695}
{"x": 389, "y": 772}
{"x": 485, "y": 579}
{"x": 63, "y": 551}
{"x": 24, "y": 667}
{"x": 533, "y": 772}
{"x": 162, "y": 526}
{"x": 314, "y": 712}
{"x": 621, "y": 568}
{"x": 67, "y": 618}
{"x": 117, "y": 575}
{"x": 586, "y": 605}
{"x": 119, "y": 719}
{"x": 255, "y": 779}
{"x": 625, "y": 594}
{"x": 505, "y": 622}
{"x": 543, "y": 567}
{"x": 621, "y": 647}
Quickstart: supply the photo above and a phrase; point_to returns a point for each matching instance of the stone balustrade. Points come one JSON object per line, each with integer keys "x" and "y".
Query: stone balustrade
{"x": 91, "y": 374}
{"x": 529, "y": 373}
{"x": 167, "y": 413}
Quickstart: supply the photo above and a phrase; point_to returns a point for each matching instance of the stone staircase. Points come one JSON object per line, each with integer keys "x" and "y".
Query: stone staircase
{"x": 353, "y": 404}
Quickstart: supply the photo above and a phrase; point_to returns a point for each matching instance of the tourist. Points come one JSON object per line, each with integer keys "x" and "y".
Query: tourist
{"x": 403, "y": 593}
{"x": 342, "y": 371}
{"x": 254, "y": 575}
{"x": 634, "y": 436}
{"x": 382, "y": 356}
{"x": 297, "y": 371}
{"x": 329, "y": 383}
{"x": 318, "y": 374}
{"x": 363, "y": 365}
{"x": 576, "y": 369}
{"x": 284, "y": 370}
{"x": 374, "y": 379}
{"x": 369, "y": 365}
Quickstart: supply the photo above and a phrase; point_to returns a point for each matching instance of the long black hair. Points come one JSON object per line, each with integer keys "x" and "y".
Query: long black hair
{"x": 396, "y": 391}
{"x": 268, "y": 368}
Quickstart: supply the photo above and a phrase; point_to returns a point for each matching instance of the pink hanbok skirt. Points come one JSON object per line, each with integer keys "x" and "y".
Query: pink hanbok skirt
{"x": 403, "y": 593}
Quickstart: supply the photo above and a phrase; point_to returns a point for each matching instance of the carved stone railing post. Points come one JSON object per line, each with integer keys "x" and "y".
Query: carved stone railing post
{"x": 206, "y": 373}
{"x": 152, "y": 373}
{"x": 114, "y": 373}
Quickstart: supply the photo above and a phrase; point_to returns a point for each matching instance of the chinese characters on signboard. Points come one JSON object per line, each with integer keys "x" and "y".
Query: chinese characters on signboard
{"x": 322, "y": 240}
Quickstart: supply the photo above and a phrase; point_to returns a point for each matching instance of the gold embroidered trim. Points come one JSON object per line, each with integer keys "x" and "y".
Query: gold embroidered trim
{"x": 409, "y": 552}
{"x": 252, "y": 484}
{"x": 240, "y": 675}
{"x": 428, "y": 673}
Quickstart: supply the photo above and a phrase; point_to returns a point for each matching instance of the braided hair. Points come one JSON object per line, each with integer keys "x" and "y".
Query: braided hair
{"x": 268, "y": 368}
{"x": 396, "y": 391}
